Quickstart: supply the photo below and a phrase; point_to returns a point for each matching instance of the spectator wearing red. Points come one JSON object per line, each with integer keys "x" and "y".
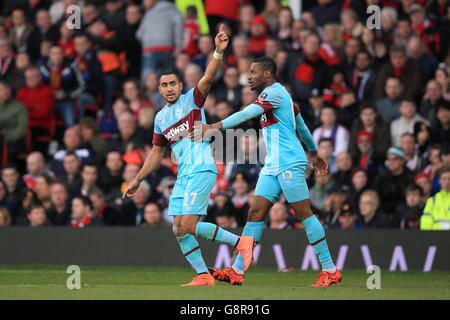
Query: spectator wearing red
{"x": 38, "y": 99}
{"x": 258, "y": 36}
{"x": 219, "y": 10}
{"x": 132, "y": 92}
{"x": 367, "y": 158}
{"x": 425, "y": 29}
{"x": 191, "y": 32}
{"x": 240, "y": 49}
{"x": 423, "y": 180}
{"x": 66, "y": 41}
{"x": 303, "y": 72}
{"x": 91, "y": 69}
{"x": 65, "y": 79}
{"x": 335, "y": 89}
{"x": 81, "y": 215}
{"x": 352, "y": 28}
{"x": 369, "y": 120}
{"x": 332, "y": 42}
{"x": 402, "y": 67}
{"x": 110, "y": 53}
{"x": 35, "y": 167}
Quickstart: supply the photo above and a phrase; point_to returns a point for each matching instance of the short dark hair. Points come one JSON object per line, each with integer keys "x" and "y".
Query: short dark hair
{"x": 368, "y": 104}
{"x": 267, "y": 64}
{"x": 414, "y": 187}
{"x": 443, "y": 170}
{"x": 48, "y": 178}
{"x": 85, "y": 200}
{"x": 5, "y": 83}
{"x": 97, "y": 191}
{"x": 397, "y": 48}
{"x": 34, "y": 205}
{"x": 10, "y": 166}
{"x": 325, "y": 140}
{"x": 364, "y": 51}
{"x": 71, "y": 153}
{"x": 62, "y": 184}
{"x": 154, "y": 203}
{"x": 80, "y": 34}
{"x": 89, "y": 164}
{"x": 167, "y": 72}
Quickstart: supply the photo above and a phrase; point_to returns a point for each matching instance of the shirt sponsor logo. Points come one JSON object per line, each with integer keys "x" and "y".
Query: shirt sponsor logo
{"x": 177, "y": 130}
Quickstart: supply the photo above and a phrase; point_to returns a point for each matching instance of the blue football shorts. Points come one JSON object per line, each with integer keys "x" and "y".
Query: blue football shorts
{"x": 291, "y": 182}
{"x": 191, "y": 193}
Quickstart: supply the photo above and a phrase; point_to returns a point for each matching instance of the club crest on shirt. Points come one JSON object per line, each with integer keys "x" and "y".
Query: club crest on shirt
{"x": 178, "y": 113}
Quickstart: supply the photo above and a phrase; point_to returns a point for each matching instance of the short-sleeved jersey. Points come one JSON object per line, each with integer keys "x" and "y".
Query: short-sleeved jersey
{"x": 172, "y": 127}
{"x": 284, "y": 149}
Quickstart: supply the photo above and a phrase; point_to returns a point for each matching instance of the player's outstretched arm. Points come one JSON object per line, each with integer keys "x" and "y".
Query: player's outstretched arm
{"x": 319, "y": 162}
{"x": 221, "y": 41}
{"x": 204, "y": 130}
{"x": 151, "y": 163}
{"x": 304, "y": 133}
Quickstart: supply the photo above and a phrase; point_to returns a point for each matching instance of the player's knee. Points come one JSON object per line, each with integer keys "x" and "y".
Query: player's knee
{"x": 175, "y": 229}
{"x": 255, "y": 214}
{"x": 303, "y": 214}
{"x": 187, "y": 227}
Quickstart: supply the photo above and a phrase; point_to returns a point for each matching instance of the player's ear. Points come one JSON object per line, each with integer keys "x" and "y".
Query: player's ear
{"x": 181, "y": 85}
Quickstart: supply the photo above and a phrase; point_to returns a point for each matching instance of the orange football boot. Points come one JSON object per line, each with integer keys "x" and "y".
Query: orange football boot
{"x": 204, "y": 279}
{"x": 326, "y": 279}
{"x": 227, "y": 275}
{"x": 245, "y": 248}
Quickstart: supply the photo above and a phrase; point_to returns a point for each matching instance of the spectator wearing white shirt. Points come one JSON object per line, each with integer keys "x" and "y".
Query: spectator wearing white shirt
{"x": 406, "y": 122}
{"x": 331, "y": 129}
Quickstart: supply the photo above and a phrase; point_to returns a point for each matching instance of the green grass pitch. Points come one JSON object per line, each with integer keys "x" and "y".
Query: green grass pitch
{"x": 163, "y": 283}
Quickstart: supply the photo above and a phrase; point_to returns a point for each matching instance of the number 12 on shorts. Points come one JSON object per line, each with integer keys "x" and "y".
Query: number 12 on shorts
{"x": 287, "y": 174}
{"x": 192, "y": 196}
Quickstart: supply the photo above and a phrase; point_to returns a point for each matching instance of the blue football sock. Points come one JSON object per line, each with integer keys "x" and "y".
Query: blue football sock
{"x": 191, "y": 250}
{"x": 213, "y": 232}
{"x": 252, "y": 229}
{"x": 316, "y": 236}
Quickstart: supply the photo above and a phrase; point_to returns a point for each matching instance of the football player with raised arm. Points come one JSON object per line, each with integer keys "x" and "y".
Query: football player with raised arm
{"x": 197, "y": 171}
